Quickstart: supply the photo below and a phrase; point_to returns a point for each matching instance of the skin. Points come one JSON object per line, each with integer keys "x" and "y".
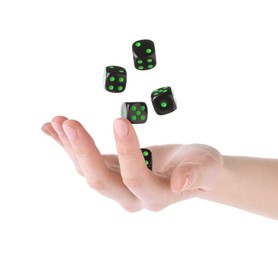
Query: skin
{"x": 179, "y": 171}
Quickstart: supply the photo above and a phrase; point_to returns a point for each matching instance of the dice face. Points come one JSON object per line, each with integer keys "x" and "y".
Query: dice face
{"x": 115, "y": 79}
{"x": 163, "y": 101}
{"x": 135, "y": 112}
{"x": 148, "y": 157}
{"x": 144, "y": 54}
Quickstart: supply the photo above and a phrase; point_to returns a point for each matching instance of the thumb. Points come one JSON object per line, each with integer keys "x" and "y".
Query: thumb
{"x": 183, "y": 177}
{"x": 191, "y": 176}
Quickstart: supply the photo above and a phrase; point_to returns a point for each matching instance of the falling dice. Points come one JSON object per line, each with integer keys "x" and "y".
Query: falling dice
{"x": 115, "y": 79}
{"x": 163, "y": 101}
{"x": 135, "y": 112}
{"x": 144, "y": 54}
{"x": 148, "y": 157}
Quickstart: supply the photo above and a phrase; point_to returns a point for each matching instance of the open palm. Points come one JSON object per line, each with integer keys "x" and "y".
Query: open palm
{"x": 179, "y": 171}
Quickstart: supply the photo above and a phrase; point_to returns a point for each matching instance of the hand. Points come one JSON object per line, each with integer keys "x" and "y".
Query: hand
{"x": 179, "y": 171}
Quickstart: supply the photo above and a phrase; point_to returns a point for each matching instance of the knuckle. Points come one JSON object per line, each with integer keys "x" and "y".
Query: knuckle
{"x": 66, "y": 145}
{"x": 131, "y": 208}
{"x": 84, "y": 152}
{"x": 78, "y": 169}
{"x": 80, "y": 151}
{"x": 126, "y": 151}
{"x": 132, "y": 183}
{"x": 155, "y": 207}
{"x": 96, "y": 184}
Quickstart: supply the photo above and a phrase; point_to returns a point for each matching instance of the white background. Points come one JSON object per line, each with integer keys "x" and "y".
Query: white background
{"x": 221, "y": 59}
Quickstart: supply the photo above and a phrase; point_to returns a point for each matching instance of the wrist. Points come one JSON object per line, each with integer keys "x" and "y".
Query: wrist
{"x": 248, "y": 183}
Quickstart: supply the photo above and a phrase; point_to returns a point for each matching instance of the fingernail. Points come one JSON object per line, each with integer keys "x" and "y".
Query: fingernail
{"x": 121, "y": 128}
{"x": 45, "y": 131}
{"x": 70, "y": 132}
{"x": 58, "y": 128}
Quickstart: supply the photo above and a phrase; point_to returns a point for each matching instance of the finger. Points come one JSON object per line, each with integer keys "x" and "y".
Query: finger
{"x": 98, "y": 176}
{"x": 56, "y": 123}
{"x": 48, "y": 129}
{"x": 202, "y": 174}
{"x": 150, "y": 189}
{"x": 184, "y": 177}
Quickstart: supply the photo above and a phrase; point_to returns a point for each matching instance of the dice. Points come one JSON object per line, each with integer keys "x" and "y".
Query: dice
{"x": 135, "y": 112}
{"x": 144, "y": 54}
{"x": 115, "y": 79}
{"x": 148, "y": 157}
{"x": 163, "y": 100}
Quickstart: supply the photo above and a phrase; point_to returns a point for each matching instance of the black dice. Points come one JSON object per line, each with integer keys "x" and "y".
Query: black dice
{"x": 163, "y": 101}
{"x": 135, "y": 112}
{"x": 115, "y": 79}
{"x": 144, "y": 54}
{"x": 148, "y": 157}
